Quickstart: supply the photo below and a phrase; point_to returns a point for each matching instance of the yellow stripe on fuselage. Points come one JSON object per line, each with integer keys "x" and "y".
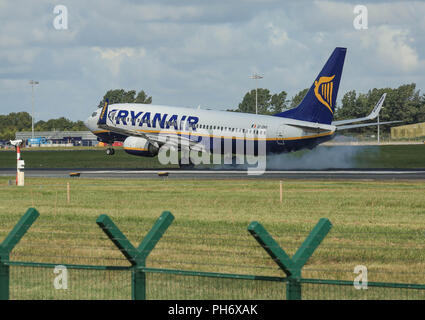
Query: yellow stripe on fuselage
{"x": 100, "y": 131}
{"x": 323, "y": 134}
{"x": 136, "y": 149}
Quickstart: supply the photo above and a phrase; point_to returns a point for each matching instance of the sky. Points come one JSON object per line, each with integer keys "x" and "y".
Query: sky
{"x": 191, "y": 53}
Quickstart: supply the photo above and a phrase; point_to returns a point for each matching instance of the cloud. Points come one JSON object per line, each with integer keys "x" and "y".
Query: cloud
{"x": 394, "y": 50}
{"x": 197, "y": 52}
{"x": 277, "y": 36}
{"x": 115, "y": 56}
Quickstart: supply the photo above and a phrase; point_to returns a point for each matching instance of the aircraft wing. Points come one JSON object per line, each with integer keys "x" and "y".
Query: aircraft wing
{"x": 363, "y": 125}
{"x": 317, "y": 126}
{"x": 371, "y": 116}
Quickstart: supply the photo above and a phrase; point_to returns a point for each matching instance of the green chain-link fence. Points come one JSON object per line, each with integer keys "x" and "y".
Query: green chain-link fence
{"x": 32, "y": 280}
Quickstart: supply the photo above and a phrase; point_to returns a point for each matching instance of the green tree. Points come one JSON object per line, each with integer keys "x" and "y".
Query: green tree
{"x": 21, "y": 121}
{"x": 15, "y": 121}
{"x": 142, "y": 97}
{"x": 267, "y": 103}
{"x": 79, "y": 126}
{"x": 403, "y": 103}
{"x": 420, "y": 115}
{"x": 60, "y": 124}
{"x": 279, "y": 102}
{"x": 122, "y": 96}
{"x": 296, "y": 100}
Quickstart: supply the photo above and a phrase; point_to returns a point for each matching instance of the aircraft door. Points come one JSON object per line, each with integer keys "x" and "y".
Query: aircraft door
{"x": 280, "y": 135}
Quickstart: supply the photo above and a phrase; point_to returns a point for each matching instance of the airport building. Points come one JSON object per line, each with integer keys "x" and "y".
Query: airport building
{"x": 58, "y": 138}
{"x": 410, "y": 131}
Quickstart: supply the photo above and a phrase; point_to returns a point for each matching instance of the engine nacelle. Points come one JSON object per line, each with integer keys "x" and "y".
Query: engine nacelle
{"x": 139, "y": 147}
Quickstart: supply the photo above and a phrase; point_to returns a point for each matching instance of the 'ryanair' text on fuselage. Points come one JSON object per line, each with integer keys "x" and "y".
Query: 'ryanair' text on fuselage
{"x": 152, "y": 120}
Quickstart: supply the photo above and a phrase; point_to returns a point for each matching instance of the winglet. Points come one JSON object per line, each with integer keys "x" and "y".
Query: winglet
{"x": 104, "y": 113}
{"x": 377, "y": 108}
{"x": 371, "y": 116}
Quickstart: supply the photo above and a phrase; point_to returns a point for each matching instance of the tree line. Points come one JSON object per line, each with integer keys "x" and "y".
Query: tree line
{"x": 21, "y": 121}
{"x": 404, "y": 103}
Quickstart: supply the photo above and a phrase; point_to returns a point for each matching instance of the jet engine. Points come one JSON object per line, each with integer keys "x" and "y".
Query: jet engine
{"x": 140, "y": 147}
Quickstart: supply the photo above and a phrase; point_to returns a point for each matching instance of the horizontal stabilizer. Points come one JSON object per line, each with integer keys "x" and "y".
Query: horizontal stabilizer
{"x": 352, "y": 126}
{"x": 316, "y": 126}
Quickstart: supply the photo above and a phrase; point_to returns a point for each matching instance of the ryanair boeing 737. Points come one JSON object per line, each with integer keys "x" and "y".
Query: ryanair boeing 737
{"x": 145, "y": 128}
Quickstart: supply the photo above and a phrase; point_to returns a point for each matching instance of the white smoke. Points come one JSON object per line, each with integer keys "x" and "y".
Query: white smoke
{"x": 343, "y": 154}
{"x": 320, "y": 158}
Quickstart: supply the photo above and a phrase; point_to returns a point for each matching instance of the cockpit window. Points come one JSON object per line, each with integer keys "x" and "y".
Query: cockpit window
{"x": 94, "y": 114}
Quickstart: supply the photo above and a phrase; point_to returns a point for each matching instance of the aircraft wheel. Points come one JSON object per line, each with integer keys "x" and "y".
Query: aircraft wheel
{"x": 110, "y": 151}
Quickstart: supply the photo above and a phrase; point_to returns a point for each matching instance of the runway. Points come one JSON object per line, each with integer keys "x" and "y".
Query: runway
{"x": 339, "y": 174}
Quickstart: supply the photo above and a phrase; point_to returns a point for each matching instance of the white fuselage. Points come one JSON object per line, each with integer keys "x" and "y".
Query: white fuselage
{"x": 166, "y": 120}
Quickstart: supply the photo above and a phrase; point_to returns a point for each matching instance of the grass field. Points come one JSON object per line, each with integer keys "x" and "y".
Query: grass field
{"x": 77, "y": 158}
{"x": 378, "y": 224}
{"x": 388, "y": 156}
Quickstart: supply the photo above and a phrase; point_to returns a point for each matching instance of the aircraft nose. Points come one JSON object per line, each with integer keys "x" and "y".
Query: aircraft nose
{"x": 91, "y": 121}
{"x": 87, "y": 123}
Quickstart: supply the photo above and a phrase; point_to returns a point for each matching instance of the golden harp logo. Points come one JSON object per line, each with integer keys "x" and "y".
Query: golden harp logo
{"x": 323, "y": 91}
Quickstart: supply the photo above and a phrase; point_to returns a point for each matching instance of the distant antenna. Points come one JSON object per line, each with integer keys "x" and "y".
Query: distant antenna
{"x": 256, "y": 77}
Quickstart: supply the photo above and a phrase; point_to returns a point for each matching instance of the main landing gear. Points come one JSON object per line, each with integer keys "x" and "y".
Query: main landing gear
{"x": 110, "y": 151}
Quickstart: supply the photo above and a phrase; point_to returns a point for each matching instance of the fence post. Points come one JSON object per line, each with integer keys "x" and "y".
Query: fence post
{"x": 291, "y": 266}
{"x": 7, "y": 246}
{"x": 136, "y": 256}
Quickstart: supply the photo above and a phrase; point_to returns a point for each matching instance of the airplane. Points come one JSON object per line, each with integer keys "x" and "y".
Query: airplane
{"x": 145, "y": 128}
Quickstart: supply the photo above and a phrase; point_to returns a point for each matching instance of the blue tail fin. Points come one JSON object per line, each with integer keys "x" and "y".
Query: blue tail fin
{"x": 319, "y": 103}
